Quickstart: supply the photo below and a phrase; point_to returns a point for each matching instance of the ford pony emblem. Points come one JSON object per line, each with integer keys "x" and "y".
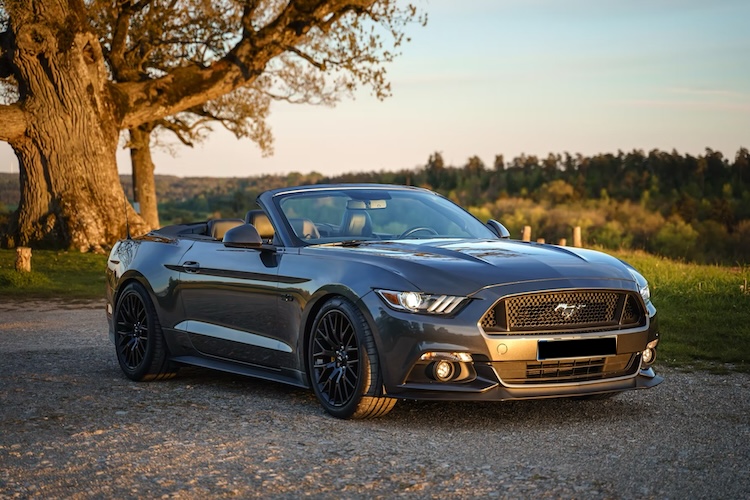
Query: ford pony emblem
{"x": 568, "y": 310}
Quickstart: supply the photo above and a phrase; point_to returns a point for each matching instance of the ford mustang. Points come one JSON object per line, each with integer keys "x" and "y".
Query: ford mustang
{"x": 369, "y": 293}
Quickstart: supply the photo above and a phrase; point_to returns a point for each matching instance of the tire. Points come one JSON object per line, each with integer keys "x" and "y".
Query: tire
{"x": 139, "y": 341}
{"x": 343, "y": 362}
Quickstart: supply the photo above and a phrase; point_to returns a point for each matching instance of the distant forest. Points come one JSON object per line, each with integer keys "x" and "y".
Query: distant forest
{"x": 695, "y": 208}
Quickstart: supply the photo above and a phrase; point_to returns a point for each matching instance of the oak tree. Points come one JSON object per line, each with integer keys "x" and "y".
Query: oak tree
{"x": 65, "y": 122}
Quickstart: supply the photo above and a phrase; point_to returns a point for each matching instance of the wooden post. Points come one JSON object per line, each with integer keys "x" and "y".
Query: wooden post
{"x": 563, "y": 242}
{"x": 526, "y": 233}
{"x": 540, "y": 240}
{"x": 577, "y": 237}
{"x": 23, "y": 259}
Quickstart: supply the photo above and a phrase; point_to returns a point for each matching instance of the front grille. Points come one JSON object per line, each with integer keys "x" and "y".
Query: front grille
{"x": 567, "y": 371}
{"x": 488, "y": 320}
{"x": 565, "y": 310}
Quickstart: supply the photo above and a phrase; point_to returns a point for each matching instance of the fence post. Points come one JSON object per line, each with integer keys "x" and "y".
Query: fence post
{"x": 577, "y": 237}
{"x": 540, "y": 240}
{"x": 526, "y": 233}
{"x": 563, "y": 242}
{"x": 23, "y": 259}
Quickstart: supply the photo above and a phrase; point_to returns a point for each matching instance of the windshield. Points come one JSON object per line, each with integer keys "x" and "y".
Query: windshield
{"x": 361, "y": 214}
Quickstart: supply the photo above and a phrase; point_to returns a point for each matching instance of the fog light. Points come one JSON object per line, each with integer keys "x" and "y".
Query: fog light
{"x": 648, "y": 356}
{"x": 443, "y": 370}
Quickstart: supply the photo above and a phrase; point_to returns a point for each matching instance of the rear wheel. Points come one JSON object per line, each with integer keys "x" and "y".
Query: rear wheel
{"x": 343, "y": 361}
{"x": 139, "y": 341}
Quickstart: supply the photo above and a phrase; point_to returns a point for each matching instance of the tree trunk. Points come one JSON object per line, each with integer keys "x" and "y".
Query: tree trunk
{"x": 144, "y": 187}
{"x": 71, "y": 194}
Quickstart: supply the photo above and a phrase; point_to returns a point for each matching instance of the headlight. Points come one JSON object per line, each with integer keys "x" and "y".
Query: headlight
{"x": 646, "y": 293}
{"x": 642, "y": 284}
{"x": 419, "y": 302}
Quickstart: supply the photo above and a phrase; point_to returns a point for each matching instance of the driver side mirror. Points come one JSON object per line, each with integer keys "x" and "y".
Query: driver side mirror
{"x": 244, "y": 236}
{"x": 497, "y": 228}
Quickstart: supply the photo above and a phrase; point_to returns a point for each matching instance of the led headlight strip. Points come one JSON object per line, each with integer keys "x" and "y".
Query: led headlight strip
{"x": 419, "y": 302}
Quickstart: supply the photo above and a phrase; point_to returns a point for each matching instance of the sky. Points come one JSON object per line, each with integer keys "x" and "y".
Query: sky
{"x": 489, "y": 77}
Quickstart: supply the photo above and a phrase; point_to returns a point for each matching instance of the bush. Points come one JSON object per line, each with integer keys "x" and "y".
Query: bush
{"x": 676, "y": 239}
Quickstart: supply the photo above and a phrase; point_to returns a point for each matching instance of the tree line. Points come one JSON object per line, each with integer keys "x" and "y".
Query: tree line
{"x": 678, "y": 205}
{"x": 695, "y": 208}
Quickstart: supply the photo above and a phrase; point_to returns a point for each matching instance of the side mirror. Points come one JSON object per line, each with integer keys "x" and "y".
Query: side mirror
{"x": 244, "y": 236}
{"x": 497, "y": 228}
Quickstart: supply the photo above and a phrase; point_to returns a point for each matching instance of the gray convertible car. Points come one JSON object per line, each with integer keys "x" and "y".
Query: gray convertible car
{"x": 372, "y": 293}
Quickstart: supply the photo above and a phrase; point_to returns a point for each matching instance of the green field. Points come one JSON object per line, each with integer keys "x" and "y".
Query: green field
{"x": 55, "y": 275}
{"x": 704, "y": 311}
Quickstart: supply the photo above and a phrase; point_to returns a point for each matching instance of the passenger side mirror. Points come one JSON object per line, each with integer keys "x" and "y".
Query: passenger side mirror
{"x": 244, "y": 236}
{"x": 497, "y": 228}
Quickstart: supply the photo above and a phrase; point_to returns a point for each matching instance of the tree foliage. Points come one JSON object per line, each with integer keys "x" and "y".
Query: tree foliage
{"x": 76, "y": 73}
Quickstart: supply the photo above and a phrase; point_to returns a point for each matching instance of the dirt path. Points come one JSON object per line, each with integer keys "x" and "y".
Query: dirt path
{"x": 72, "y": 426}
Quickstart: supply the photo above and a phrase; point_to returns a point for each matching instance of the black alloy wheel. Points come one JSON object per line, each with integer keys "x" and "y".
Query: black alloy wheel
{"x": 343, "y": 362}
{"x": 139, "y": 342}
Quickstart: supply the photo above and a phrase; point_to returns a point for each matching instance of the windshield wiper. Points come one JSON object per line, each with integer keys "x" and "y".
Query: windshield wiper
{"x": 351, "y": 243}
{"x": 345, "y": 243}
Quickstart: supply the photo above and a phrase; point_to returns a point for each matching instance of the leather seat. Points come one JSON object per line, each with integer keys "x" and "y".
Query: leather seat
{"x": 356, "y": 223}
{"x": 217, "y": 227}
{"x": 305, "y": 229}
{"x": 259, "y": 219}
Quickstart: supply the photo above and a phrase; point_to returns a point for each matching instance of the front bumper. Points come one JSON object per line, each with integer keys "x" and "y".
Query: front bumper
{"x": 503, "y": 367}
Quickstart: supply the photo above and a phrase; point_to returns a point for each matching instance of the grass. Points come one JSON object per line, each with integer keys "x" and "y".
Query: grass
{"x": 54, "y": 275}
{"x": 704, "y": 313}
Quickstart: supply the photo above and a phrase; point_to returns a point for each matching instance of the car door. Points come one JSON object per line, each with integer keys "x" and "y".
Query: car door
{"x": 230, "y": 298}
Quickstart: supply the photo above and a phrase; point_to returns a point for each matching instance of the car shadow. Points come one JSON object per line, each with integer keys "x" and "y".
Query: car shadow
{"x": 631, "y": 405}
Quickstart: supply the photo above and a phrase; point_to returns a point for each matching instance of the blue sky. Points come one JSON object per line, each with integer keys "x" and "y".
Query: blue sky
{"x": 489, "y": 77}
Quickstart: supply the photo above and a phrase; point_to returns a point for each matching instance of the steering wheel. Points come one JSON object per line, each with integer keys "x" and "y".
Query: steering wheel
{"x": 416, "y": 229}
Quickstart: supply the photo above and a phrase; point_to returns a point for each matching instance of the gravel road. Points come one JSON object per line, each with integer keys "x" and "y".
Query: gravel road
{"x": 72, "y": 426}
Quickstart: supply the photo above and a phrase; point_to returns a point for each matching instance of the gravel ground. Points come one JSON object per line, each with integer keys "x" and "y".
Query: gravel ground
{"x": 72, "y": 426}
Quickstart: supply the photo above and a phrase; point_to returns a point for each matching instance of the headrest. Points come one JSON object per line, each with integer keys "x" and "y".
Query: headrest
{"x": 259, "y": 219}
{"x": 356, "y": 223}
{"x": 217, "y": 227}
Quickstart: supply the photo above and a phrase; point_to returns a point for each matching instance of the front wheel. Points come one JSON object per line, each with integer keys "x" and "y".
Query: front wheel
{"x": 139, "y": 341}
{"x": 343, "y": 361}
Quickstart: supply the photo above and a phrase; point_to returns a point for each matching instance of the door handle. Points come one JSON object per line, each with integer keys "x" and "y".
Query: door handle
{"x": 191, "y": 267}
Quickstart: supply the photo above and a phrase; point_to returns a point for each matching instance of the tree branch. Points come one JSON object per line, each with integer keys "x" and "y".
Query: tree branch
{"x": 320, "y": 65}
{"x": 180, "y": 129}
{"x": 190, "y": 86}
{"x": 12, "y": 122}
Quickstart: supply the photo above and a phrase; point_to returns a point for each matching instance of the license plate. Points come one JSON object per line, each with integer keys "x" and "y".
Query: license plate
{"x": 580, "y": 348}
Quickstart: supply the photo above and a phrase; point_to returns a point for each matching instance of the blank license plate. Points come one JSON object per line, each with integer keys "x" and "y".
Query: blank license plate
{"x": 582, "y": 348}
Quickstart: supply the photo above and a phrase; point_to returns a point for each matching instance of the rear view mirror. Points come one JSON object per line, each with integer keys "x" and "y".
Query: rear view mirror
{"x": 365, "y": 204}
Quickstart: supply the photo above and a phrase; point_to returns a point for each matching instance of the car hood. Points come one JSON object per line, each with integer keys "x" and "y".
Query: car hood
{"x": 465, "y": 266}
